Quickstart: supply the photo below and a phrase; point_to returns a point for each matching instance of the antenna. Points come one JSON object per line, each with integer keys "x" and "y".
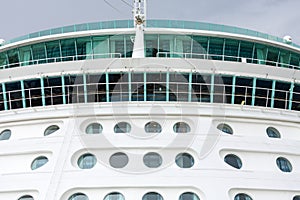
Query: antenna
{"x": 139, "y": 18}
{"x": 139, "y": 12}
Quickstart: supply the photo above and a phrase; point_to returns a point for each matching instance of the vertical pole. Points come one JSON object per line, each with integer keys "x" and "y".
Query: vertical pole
{"x": 63, "y": 89}
{"x": 273, "y": 93}
{"x": 43, "y": 91}
{"x": 253, "y": 91}
{"x": 107, "y": 86}
{"x": 145, "y": 86}
{"x": 4, "y": 96}
{"x": 168, "y": 86}
{"x": 190, "y": 87}
{"x": 84, "y": 88}
{"x": 233, "y": 89}
{"x": 291, "y": 95}
{"x": 212, "y": 88}
{"x": 23, "y": 94}
{"x": 129, "y": 85}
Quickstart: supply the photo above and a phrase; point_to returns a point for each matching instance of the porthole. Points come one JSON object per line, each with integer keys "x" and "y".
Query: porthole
{"x": 78, "y": 196}
{"x": 242, "y": 196}
{"x": 118, "y": 160}
{"x": 189, "y": 196}
{"x": 152, "y": 196}
{"x": 87, "y": 161}
{"x": 273, "y": 132}
{"x": 94, "y": 128}
{"x": 181, "y": 127}
{"x": 39, "y": 162}
{"x": 152, "y": 160}
{"x": 122, "y": 127}
{"x": 26, "y": 197}
{"x": 184, "y": 160}
{"x": 51, "y": 129}
{"x": 296, "y": 197}
{"x": 233, "y": 161}
{"x": 153, "y": 127}
{"x": 5, "y": 135}
{"x": 114, "y": 196}
{"x": 284, "y": 165}
{"x": 225, "y": 128}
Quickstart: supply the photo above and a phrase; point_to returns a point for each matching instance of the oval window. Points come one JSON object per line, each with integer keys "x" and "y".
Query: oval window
{"x": 51, "y": 129}
{"x": 153, "y": 127}
{"x": 87, "y": 161}
{"x": 225, "y": 128}
{"x": 233, "y": 161}
{"x": 118, "y": 160}
{"x": 122, "y": 127}
{"x": 181, "y": 127}
{"x": 39, "y": 162}
{"x": 184, "y": 160}
{"x": 284, "y": 165}
{"x": 5, "y": 135}
{"x": 94, "y": 128}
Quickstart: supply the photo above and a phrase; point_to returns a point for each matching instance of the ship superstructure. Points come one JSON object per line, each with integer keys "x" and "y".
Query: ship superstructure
{"x": 119, "y": 110}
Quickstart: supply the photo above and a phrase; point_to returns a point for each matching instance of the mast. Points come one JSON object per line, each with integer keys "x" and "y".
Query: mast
{"x": 139, "y": 17}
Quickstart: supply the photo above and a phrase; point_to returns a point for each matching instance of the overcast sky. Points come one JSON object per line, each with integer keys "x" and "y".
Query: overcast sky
{"x": 275, "y": 17}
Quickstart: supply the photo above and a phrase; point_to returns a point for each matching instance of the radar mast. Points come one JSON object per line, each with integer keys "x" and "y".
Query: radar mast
{"x": 139, "y": 17}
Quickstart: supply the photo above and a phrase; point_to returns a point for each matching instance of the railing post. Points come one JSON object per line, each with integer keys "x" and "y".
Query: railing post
{"x": 84, "y": 88}
{"x": 273, "y": 93}
{"x": 63, "y": 89}
{"x": 291, "y": 95}
{"x": 190, "y": 87}
{"x": 43, "y": 91}
{"x": 107, "y": 86}
{"x": 212, "y": 89}
{"x": 168, "y": 85}
{"x": 129, "y": 85}
{"x": 253, "y": 91}
{"x": 233, "y": 89}
{"x": 23, "y": 94}
{"x": 145, "y": 86}
{"x": 4, "y": 96}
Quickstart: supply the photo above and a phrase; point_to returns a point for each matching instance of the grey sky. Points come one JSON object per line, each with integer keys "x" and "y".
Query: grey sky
{"x": 275, "y": 17}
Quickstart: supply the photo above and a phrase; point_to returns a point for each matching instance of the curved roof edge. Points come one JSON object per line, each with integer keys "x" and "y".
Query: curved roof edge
{"x": 151, "y": 24}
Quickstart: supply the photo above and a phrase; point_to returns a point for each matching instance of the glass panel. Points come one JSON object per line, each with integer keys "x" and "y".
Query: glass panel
{"x": 94, "y": 128}
{"x": 33, "y": 93}
{"x": 39, "y": 53}
{"x": 5, "y": 135}
{"x": 114, "y": 196}
{"x": 25, "y": 56}
{"x": 1, "y": 98}
{"x": 74, "y": 88}
{"x": 231, "y": 50}
{"x": 222, "y": 89}
{"x": 122, "y": 127}
{"x": 96, "y": 87}
{"x": 153, "y": 127}
{"x": 117, "y": 46}
{"x": 51, "y": 129}
{"x": 128, "y": 46}
{"x": 282, "y": 93}
{"x": 243, "y": 91}
{"x": 178, "y": 87}
{"x": 137, "y": 87}
{"x": 166, "y": 45}
{"x": 14, "y": 95}
{"x": 151, "y": 42}
{"x": 294, "y": 60}
{"x": 118, "y": 160}
{"x": 296, "y": 98}
{"x": 260, "y": 53}
{"x": 272, "y": 58}
{"x": 181, "y": 127}
{"x": 216, "y": 48}
{"x": 87, "y": 161}
{"x": 39, "y": 162}
{"x": 13, "y": 58}
{"x": 156, "y": 87}
{"x": 199, "y": 48}
{"x": 53, "y": 51}
{"x": 184, "y": 160}
{"x": 100, "y": 47}
{"x": 233, "y": 161}
{"x": 201, "y": 86}
{"x": 3, "y": 60}
{"x": 84, "y": 48}
{"x": 152, "y": 160}
{"x": 53, "y": 90}
{"x": 118, "y": 87}
{"x": 68, "y": 50}
{"x": 263, "y": 93}
{"x": 246, "y": 51}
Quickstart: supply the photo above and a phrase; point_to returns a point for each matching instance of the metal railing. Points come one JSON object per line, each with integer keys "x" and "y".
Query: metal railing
{"x": 159, "y": 91}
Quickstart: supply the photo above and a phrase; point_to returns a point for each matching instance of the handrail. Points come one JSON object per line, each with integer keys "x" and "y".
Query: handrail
{"x": 76, "y": 94}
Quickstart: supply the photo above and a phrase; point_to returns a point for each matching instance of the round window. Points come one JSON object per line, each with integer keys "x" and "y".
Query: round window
{"x": 225, "y": 128}
{"x": 242, "y": 196}
{"x": 87, "y": 161}
{"x": 94, "y": 128}
{"x": 118, "y": 160}
{"x": 78, "y": 196}
{"x": 153, "y": 127}
{"x": 273, "y": 132}
{"x": 26, "y": 197}
{"x": 122, "y": 127}
{"x": 181, "y": 127}
{"x": 152, "y": 160}
{"x": 184, "y": 160}
{"x": 189, "y": 196}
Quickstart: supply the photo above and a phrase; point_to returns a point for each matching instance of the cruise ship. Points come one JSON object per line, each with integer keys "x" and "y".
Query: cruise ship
{"x": 149, "y": 110}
